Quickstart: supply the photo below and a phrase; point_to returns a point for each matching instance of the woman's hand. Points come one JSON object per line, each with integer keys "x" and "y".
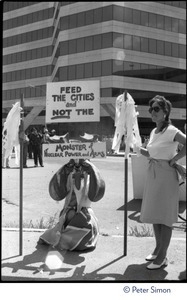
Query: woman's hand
{"x": 172, "y": 162}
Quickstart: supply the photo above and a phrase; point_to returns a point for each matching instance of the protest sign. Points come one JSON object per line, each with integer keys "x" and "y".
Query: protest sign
{"x": 65, "y": 151}
{"x": 73, "y": 101}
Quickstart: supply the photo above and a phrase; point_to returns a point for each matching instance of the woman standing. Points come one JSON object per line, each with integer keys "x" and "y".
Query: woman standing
{"x": 161, "y": 192}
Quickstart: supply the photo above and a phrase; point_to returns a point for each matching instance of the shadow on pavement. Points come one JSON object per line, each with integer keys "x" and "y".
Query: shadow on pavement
{"x": 39, "y": 256}
{"x": 78, "y": 275}
{"x": 182, "y": 275}
{"x": 133, "y": 273}
{"x": 13, "y": 256}
{"x": 182, "y": 207}
{"x": 134, "y": 205}
{"x": 140, "y": 273}
{"x": 70, "y": 258}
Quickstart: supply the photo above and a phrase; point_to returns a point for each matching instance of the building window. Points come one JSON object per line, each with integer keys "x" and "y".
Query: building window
{"x": 118, "y": 40}
{"x": 135, "y": 67}
{"x": 175, "y": 25}
{"x": 18, "y": 93}
{"x": 72, "y": 46}
{"x": 33, "y": 72}
{"x": 107, "y": 13}
{"x": 33, "y": 92}
{"x": 152, "y": 46}
{"x": 64, "y": 23}
{"x": 88, "y": 43}
{"x": 27, "y": 74}
{"x": 80, "y": 71}
{"x": 44, "y": 71}
{"x": 29, "y": 18}
{"x": 118, "y": 13}
{"x": 174, "y": 50}
{"x": 89, "y": 18}
{"x": 117, "y": 68}
{"x": 136, "y": 43}
{"x": 144, "y": 44}
{"x": 160, "y": 47}
{"x": 72, "y": 21}
{"x": 107, "y": 40}
{"x": 97, "y": 42}
{"x": 160, "y": 22}
{"x": 144, "y": 18}
{"x": 38, "y": 72}
{"x": 44, "y": 52}
{"x": 13, "y": 76}
{"x": 128, "y": 16}
{"x": 97, "y": 69}
{"x": 63, "y": 48}
{"x": 34, "y": 53}
{"x": 106, "y": 92}
{"x": 38, "y": 92}
{"x": 98, "y": 15}
{"x": 136, "y": 17}
{"x": 63, "y": 73}
{"x": 71, "y": 73}
{"x": 167, "y": 48}
{"x": 28, "y": 55}
{"x": 127, "y": 67}
{"x": 88, "y": 70}
{"x": 152, "y": 20}
{"x": 128, "y": 44}
{"x": 39, "y": 52}
{"x": 80, "y": 19}
{"x": 80, "y": 45}
{"x": 182, "y": 51}
{"x": 168, "y": 23}
{"x": 106, "y": 67}
{"x": 182, "y": 26}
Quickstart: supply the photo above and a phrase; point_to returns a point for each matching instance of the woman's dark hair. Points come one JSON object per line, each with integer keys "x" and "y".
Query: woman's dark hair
{"x": 166, "y": 107}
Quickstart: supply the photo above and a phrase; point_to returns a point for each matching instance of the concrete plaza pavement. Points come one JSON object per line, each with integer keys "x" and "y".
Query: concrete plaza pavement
{"x": 106, "y": 263}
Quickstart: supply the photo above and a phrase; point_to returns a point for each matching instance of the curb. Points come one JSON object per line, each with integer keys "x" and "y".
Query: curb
{"x": 111, "y": 236}
{"x": 24, "y": 229}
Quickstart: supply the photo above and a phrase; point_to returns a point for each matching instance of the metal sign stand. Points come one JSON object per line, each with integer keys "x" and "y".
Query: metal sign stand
{"x": 125, "y": 193}
{"x": 21, "y": 135}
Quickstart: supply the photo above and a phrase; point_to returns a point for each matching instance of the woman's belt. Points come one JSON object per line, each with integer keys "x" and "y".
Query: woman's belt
{"x": 154, "y": 161}
{"x": 181, "y": 170}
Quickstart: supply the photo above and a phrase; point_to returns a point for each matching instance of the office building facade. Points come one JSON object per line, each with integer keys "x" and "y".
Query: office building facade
{"x": 139, "y": 47}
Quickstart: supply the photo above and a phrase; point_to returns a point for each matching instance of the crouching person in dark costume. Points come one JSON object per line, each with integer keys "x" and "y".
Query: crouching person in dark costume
{"x": 80, "y": 183}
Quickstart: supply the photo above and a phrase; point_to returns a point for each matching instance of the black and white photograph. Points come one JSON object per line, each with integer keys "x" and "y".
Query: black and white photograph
{"x": 93, "y": 188}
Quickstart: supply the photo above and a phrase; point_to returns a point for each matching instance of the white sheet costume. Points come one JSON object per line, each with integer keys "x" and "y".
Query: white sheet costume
{"x": 10, "y": 133}
{"x": 126, "y": 124}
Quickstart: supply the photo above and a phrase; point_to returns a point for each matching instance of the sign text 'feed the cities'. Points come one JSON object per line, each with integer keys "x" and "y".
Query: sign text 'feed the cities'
{"x": 73, "y": 101}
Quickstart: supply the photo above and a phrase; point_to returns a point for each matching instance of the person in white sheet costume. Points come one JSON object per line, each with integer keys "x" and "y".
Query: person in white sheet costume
{"x": 80, "y": 183}
{"x": 126, "y": 124}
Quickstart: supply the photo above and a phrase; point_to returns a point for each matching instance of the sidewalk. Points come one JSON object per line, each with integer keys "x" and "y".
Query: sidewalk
{"x": 105, "y": 263}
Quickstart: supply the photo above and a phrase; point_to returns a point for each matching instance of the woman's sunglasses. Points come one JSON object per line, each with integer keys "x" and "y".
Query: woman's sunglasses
{"x": 156, "y": 109}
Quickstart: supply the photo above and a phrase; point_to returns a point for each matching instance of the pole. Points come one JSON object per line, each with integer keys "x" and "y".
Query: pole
{"x": 21, "y": 136}
{"x": 125, "y": 194}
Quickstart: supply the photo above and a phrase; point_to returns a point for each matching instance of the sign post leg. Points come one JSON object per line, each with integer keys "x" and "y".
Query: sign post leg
{"x": 21, "y": 133}
{"x": 125, "y": 205}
